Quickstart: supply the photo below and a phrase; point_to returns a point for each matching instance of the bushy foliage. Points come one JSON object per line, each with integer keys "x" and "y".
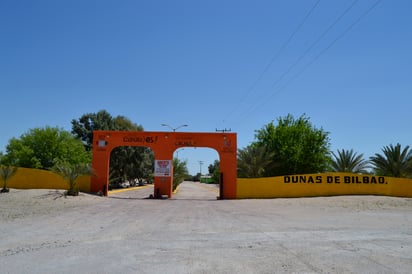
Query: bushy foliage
{"x": 126, "y": 163}
{"x": 83, "y": 127}
{"x": 214, "y": 171}
{"x": 296, "y": 145}
{"x": 42, "y": 147}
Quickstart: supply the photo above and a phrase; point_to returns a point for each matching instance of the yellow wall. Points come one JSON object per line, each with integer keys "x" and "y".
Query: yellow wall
{"x": 26, "y": 178}
{"x": 309, "y": 185}
{"x": 325, "y": 184}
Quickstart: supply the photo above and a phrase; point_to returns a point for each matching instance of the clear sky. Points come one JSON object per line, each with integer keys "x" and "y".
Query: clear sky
{"x": 211, "y": 64}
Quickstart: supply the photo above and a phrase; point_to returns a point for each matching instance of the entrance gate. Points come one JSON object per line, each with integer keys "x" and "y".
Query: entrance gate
{"x": 163, "y": 145}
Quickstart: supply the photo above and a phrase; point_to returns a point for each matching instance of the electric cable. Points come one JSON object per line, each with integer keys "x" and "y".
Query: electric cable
{"x": 326, "y": 31}
{"x": 274, "y": 57}
{"x": 303, "y": 55}
{"x": 311, "y": 62}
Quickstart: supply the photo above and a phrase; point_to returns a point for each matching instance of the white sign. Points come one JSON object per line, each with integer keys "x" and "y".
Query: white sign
{"x": 163, "y": 168}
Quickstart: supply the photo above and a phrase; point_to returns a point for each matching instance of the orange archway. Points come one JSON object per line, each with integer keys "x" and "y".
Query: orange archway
{"x": 163, "y": 145}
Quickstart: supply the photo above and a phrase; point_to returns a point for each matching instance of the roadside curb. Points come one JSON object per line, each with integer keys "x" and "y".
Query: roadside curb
{"x": 176, "y": 190}
{"x": 128, "y": 189}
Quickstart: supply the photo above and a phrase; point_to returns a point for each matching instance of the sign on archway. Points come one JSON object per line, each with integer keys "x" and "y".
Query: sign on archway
{"x": 163, "y": 145}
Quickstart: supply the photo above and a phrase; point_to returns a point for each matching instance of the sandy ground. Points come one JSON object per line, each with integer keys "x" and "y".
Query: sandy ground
{"x": 22, "y": 203}
{"x": 42, "y": 231}
{"x": 19, "y": 203}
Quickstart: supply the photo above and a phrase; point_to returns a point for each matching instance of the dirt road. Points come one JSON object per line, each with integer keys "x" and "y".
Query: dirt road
{"x": 195, "y": 233}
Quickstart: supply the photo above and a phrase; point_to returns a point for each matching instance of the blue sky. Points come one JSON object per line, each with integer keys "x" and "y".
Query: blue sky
{"x": 210, "y": 65}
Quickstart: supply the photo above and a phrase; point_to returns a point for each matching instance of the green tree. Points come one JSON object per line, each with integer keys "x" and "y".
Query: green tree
{"x": 70, "y": 173}
{"x": 297, "y": 146}
{"x": 42, "y": 147}
{"x": 349, "y": 161}
{"x": 214, "y": 171}
{"x": 253, "y": 161}
{"x": 180, "y": 172}
{"x": 84, "y": 126}
{"x": 131, "y": 163}
{"x": 395, "y": 161}
{"x": 125, "y": 162}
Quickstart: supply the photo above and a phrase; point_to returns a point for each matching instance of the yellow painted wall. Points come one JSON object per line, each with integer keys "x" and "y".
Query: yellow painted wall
{"x": 309, "y": 185}
{"x": 27, "y": 178}
{"x": 325, "y": 184}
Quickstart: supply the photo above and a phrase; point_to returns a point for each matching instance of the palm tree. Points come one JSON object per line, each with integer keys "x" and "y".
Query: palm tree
{"x": 349, "y": 161}
{"x": 179, "y": 172}
{"x": 6, "y": 172}
{"x": 253, "y": 161}
{"x": 395, "y": 162}
{"x": 70, "y": 172}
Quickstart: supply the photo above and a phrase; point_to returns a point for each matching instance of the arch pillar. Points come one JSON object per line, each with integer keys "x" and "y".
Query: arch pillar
{"x": 163, "y": 179}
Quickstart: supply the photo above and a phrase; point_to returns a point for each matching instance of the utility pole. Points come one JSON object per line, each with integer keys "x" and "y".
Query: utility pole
{"x": 200, "y": 177}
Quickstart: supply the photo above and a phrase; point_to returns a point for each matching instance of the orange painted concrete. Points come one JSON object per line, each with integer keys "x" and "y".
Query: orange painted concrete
{"x": 163, "y": 145}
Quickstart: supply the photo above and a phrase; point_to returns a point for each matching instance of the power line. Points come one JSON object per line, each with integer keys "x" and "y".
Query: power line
{"x": 308, "y": 64}
{"x": 300, "y": 58}
{"x": 326, "y": 31}
{"x": 274, "y": 57}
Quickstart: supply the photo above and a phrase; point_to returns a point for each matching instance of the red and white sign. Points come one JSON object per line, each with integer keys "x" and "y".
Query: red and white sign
{"x": 163, "y": 168}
